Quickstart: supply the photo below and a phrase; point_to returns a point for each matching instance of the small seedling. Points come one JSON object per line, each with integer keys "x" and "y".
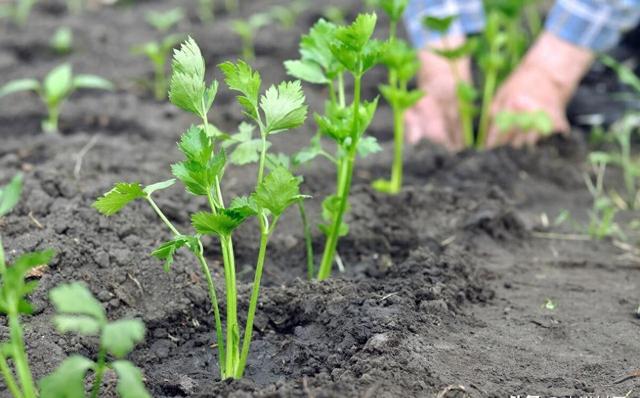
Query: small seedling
{"x": 279, "y": 109}
{"x": 164, "y": 21}
{"x": 18, "y": 11}
{"x": 79, "y": 312}
{"x": 402, "y": 64}
{"x": 286, "y": 16}
{"x": 158, "y": 53}
{"x": 549, "y": 304}
{"x": 247, "y": 29}
{"x": 536, "y": 121}
{"x": 62, "y": 41}
{"x": 327, "y": 53}
{"x": 56, "y": 87}
{"x": 76, "y": 6}
{"x": 603, "y": 211}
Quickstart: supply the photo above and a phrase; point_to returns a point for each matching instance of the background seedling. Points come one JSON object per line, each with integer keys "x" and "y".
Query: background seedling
{"x": 56, "y": 87}
{"x": 158, "y": 53}
{"x": 17, "y": 10}
{"x": 62, "y": 41}
{"x": 81, "y": 313}
{"x": 247, "y": 30}
{"x": 402, "y": 65}
{"x": 278, "y": 110}
{"x": 165, "y": 20}
{"x": 76, "y": 6}
{"x": 603, "y": 211}
{"x": 286, "y": 16}
{"x": 327, "y": 53}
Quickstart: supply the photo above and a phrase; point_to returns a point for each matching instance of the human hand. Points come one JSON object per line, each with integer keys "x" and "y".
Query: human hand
{"x": 544, "y": 81}
{"x": 436, "y": 116}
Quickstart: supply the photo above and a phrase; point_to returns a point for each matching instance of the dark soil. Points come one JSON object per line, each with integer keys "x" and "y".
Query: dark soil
{"x": 445, "y": 283}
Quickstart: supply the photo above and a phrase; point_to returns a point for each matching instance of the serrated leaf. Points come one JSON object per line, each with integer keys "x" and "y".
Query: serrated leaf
{"x": 357, "y": 35}
{"x": 130, "y": 384}
{"x": 440, "y": 25}
{"x": 307, "y": 71}
{"x": 76, "y": 299}
{"x": 199, "y": 178}
{"x": 329, "y": 211}
{"x": 14, "y": 288}
{"x": 158, "y": 186}
{"x": 187, "y": 89}
{"x": 277, "y": 160}
{"x": 466, "y": 49}
{"x": 58, "y": 83}
{"x": 196, "y": 145}
{"x": 84, "y": 325}
{"x": 167, "y": 250}
{"x": 367, "y": 146}
{"x": 393, "y": 8}
{"x": 67, "y": 381}
{"x": 92, "y": 82}
{"x": 117, "y": 198}
{"x": 399, "y": 98}
{"x": 241, "y": 77}
{"x": 247, "y": 152}
{"x": 243, "y": 206}
{"x": 309, "y": 153}
{"x": 10, "y": 194}
{"x": 20, "y": 85}
{"x": 279, "y": 190}
{"x": 119, "y": 337}
{"x": 221, "y": 224}
{"x": 315, "y": 48}
{"x": 284, "y": 107}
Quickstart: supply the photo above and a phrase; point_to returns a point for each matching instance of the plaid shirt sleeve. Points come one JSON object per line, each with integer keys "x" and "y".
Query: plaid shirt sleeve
{"x": 593, "y": 24}
{"x": 470, "y": 18}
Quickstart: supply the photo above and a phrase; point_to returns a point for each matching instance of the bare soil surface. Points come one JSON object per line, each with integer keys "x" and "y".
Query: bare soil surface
{"x": 445, "y": 284}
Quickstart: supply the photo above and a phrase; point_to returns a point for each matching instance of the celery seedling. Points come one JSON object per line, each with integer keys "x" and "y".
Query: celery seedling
{"x": 327, "y": 53}
{"x": 278, "y": 110}
{"x": 79, "y": 312}
{"x": 206, "y": 10}
{"x": 466, "y": 94}
{"x": 402, "y": 64}
{"x": 19, "y": 11}
{"x": 56, "y": 87}
{"x": 62, "y": 41}
{"x": 538, "y": 121}
{"x": 603, "y": 211}
{"x": 247, "y": 30}
{"x": 164, "y": 21}
{"x": 158, "y": 53}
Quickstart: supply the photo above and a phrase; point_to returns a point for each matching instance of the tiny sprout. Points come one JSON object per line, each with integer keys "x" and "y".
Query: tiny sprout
{"x": 62, "y": 41}
{"x": 549, "y": 304}
{"x": 56, "y": 87}
{"x": 164, "y": 21}
{"x": 247, "y": 30}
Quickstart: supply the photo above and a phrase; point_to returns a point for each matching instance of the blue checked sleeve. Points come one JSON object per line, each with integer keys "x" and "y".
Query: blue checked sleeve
{"x": 470, "y": 18}
{"x": 593, "y": 24}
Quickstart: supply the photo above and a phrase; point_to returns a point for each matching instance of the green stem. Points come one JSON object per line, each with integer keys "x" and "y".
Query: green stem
{"x": 308, "y": 240}
{"x": 216, "y": 309}
{"x": 20, "y": 360}
{"x": 50, "y": 125}
{"x": 263, "y": 156}
{"x": 398, "y": 137}
{"x": 102, "y": 359}
{"x": 332, "y": 92}
{"x": 248, "y": 52}
{"x": 485, "y": 115}
{"x": 164, "y": 219}
{"x": 255, "y": 292}
{"x": 344, "y": 180}
{"x": 341, "y": 97}
{"x": 233, "y": 331}
{"x": 12, "y": 385}
{"x": 466, "y": 116}
{"x": 160, "y": 83}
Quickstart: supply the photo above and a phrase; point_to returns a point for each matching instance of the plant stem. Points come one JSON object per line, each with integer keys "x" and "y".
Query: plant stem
{"x": 265, "y": 233}
{"x": 50, "y": 125}
{"x": 398, "y": 149}
{"x": 12, "y": 385}
{"x": 308, "y": 240}
{"x": 102, "y": 358}
{"x": 487, "y": 97}
{"x": 344, "y": 180}
{"x": 164, "y": 219}
{"x": 216, "y": 309}
{"x": 159, "y": 84}
{"x": 248, "y": 52}
{"x": 233, "y": 335}
{"x": 263, "y": 156}
{"x": 20, "y": 360}
{"x": 341, "y": 98}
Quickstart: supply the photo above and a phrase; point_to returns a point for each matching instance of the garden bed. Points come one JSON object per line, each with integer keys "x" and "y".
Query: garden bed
{"x": 445, "y": 284}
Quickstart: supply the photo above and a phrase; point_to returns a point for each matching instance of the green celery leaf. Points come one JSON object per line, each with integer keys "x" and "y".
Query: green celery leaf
{"x": 119, "y": 337}
{"x": 20, "y": 85}
{"x": 10, "y": 194}
{"x": 247, "y": 152}
{"x": 68, "y": 380}
{"x": 368, "y": 145}
{"x": 81, "y": 324}
{"x": 167, "y": 250}
{"x": 221, "y": 224}
{"x": 440, "y": 25}
{"x": 158, "y": 186}
{"x": 243, "y": 206}
{"x": 393, "y": 8}
{"x": 117, "y": 198}
{"x": 357, "y": 35}
{"x": 187, "y": 89}
{"x": 284, "y": 107}
{"x": 279, "y": 190}
{"x": 199, "y": 179}
{"x": 130, "y": 384}
{"x": 309, "y": 153}
{"x": 76, "y": 299}
{"x": 14, "y": 288}
{"x": 307, "y": 71}
{"x": 241, "y": 77}
{"x": 466, "y": 49}
{"x": 399, "y": 98}
{"x": 196, "y": 145}
{"x": 58, "y": 83}
{"x": 92, "y": 82}
{"x": 277, "y": 160}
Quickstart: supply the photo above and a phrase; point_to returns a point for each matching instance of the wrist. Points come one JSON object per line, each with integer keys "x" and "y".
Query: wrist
{"x": 560, "y": 61}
